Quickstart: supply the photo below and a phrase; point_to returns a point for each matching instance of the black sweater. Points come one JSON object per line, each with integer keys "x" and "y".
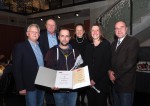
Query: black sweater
{"x": 98, "y": 61}
{"x": 80, "y": 44}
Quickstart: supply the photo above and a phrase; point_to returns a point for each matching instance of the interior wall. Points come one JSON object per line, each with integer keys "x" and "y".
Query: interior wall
{"x": 87, "y": 25}
{"x": 70, "y": 27}
{"x": 145, "y": 43}
{"x": 9, "y": 36}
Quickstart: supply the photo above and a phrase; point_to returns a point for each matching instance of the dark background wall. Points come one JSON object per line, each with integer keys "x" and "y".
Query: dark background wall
{"x": 9, "y": 36}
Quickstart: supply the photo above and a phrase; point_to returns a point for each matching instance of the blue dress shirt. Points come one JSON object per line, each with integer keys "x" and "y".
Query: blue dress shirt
{"x": 52, "y": 40}
{"x": 37, "y": 52}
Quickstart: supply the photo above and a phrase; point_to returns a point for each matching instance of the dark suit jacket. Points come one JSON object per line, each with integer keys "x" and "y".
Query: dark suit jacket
{"x": 43, "y": 42}
{"x": 25, "y": 66}
{"x": 123, "y": 63}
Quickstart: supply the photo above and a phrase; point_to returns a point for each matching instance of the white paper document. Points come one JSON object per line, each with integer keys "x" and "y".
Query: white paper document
{"x": 63, "y": 79}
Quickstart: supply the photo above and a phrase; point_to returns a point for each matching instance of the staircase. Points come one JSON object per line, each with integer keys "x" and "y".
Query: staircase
{"x": 136, "y": 13}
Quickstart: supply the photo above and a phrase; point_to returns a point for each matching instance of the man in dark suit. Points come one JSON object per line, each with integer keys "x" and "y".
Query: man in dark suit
{"x": 48, "y": 39}
{"x": 27, "y": 57}
{"x": 123, "y": 66}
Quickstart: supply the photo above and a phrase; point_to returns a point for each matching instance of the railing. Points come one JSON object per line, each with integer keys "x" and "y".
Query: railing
{"x": 129, "y": 11}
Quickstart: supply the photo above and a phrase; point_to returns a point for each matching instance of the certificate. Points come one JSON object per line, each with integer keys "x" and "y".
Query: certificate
{"x": 63, "y": 79}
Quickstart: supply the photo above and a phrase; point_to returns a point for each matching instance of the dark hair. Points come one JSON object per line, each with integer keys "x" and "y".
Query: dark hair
{"x": 122, "y": 21}
{"x": 100, "y": 28}
{"x": 79, "y": 25}
{"x": 64, "y": 29}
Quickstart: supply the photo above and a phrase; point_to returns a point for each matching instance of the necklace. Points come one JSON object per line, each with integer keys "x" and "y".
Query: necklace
{"x": 66, "y": 53}
{"x": 79, "y": 41}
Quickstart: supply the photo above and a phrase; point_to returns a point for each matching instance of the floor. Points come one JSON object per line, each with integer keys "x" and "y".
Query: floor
{"x": 140, "y": 99}
{"x": 12, "y": 100}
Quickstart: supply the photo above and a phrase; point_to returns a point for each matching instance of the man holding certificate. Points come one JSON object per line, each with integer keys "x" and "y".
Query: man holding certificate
{"x": 63, "y": 57}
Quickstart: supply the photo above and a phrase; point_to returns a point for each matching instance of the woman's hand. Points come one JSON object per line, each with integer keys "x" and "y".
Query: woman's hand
{"x": 23, "y": 92}
{"x": 55, "y": 88}
{"x": 92, "y": 83}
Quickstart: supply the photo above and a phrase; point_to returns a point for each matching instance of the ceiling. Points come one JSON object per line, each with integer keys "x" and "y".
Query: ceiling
{"x": 68, "y": 15}
{"x": 26, "y": 7}
{"x": 42, "y": 7}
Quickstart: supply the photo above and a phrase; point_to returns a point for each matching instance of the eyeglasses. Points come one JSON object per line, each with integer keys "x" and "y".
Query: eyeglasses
{"x": 33, "y": 32}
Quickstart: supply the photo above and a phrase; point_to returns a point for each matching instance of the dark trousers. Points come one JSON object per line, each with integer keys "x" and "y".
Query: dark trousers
{"x": 81, "y": 96}
{"x": 49, "y": 98}
{"x": 96, "y": 99}
{"x": 122, "y": 99}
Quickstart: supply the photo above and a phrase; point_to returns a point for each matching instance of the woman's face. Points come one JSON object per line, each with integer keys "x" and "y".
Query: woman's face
{"x": 95, "y": 32}
{"x": 79, "y": 31}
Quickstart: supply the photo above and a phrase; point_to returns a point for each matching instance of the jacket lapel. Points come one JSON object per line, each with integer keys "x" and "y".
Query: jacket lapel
{"x": 30, "y": 50}
{"x": 46, "y": 39}
{"x": 122, "y": 43}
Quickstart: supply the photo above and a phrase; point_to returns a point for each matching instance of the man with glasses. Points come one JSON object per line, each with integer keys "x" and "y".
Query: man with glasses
{"x": 27, "y": 57}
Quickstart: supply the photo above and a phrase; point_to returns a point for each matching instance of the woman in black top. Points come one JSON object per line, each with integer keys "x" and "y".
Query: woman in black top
{"x": 98, "y": 60}
{"x": 79, "y": 41}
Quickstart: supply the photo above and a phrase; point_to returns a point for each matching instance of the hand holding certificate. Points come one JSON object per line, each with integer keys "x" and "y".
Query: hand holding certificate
{"x": 63, "y": 79}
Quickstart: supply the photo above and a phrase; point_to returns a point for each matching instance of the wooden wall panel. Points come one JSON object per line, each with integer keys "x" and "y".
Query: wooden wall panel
{"x": 9, "y": 36}
{"x": 87, "y": 25}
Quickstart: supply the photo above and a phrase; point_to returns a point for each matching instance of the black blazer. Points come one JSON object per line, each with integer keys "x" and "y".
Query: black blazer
{"x": 25, "y": 66}
{"x": 123, "y": 63}
{"x": 43, "y": 42}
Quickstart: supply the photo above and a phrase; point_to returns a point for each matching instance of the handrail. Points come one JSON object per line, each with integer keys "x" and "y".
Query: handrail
{"x": 107, "y": 10}
{"x": 130, "y": 11}
{"x": 120, "y": 10}
{"x": 131, "y": 16}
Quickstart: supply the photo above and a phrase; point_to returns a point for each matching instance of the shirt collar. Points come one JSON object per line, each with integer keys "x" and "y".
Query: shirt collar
{"x": 121, "y": 39}
{"x": 51, "y": 34}
{"x": 33, "y": 43}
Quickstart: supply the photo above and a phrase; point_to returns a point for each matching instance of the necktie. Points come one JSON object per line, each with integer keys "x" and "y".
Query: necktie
{"x": 118, "y": 43}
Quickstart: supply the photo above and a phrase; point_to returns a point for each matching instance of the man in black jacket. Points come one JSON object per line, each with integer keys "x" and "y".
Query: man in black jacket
{"x": 27, "y": 57}
{"x": 48, "y": 39}
{"x": 123, "y": 66}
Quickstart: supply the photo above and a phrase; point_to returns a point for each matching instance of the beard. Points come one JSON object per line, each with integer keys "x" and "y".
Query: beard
{"x": 64, "y": 44}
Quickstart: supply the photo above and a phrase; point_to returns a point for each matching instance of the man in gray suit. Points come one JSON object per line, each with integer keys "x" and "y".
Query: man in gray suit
{"x": 123, "y": 66}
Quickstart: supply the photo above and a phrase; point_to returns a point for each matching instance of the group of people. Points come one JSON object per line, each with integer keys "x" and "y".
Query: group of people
{"x": 111, "y": 66}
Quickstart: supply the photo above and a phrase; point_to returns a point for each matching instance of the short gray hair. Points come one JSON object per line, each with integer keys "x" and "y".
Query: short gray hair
{"x": 35, "y": 25}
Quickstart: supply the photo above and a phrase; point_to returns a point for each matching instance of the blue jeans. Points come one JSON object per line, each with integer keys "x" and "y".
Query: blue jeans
{"x": 34, "y": 98}
{"x": 123, "y": 99}
{"x": 65, "y": 98}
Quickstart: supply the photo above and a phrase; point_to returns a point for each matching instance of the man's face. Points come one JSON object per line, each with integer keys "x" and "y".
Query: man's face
{"x": 79, "y": 31}
{"x": 120, "y": 29}
{"x": 33, "y": 33}
{"x": 95, "y": 32}
{"x": 51, "y": 26}
{"x": 64, "y": 37}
